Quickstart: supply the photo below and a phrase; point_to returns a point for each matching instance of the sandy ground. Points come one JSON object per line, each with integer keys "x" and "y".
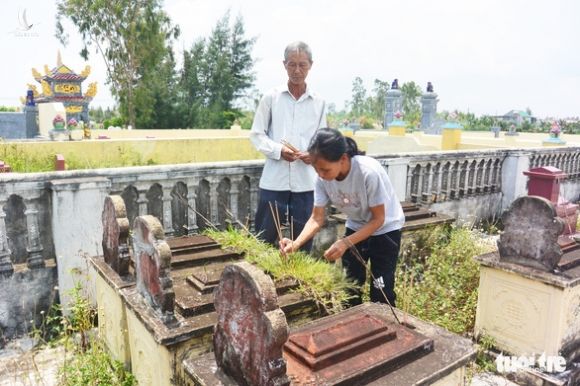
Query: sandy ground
{"x": 20, "y": 366}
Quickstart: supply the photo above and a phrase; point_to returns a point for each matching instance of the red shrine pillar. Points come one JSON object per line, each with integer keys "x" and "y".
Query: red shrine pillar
{"x": 545, "y": 182}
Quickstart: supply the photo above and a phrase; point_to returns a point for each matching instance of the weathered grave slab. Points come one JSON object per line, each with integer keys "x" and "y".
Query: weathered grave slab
{"x": 153, "y": 260}
{"x": 115, "y": 234}
{"x": 530, "y": 237}
{"x": 529, "y": 291}
{"x": 248, "y": 312}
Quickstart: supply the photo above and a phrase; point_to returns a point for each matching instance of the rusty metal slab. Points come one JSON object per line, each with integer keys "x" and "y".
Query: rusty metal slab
{"x": 355, "y": 346}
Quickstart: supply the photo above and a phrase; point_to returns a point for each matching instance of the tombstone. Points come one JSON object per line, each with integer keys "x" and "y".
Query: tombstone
{"x": 529, "y": 292}
{"x": 530, "y": 237}
{"x": 428, "y": 109}
{"x": 512, "y": 132}
{"x": 115, "y": 234}
{"x": 247, "y": 307}
{"x": 153, "y": 264}
{"x": 112, "y": 276}
{"x": 393, "y": 103}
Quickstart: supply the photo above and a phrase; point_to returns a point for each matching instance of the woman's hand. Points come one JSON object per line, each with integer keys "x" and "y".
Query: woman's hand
{"x": 336, "y": 250}
{"x": 286, "y": 246}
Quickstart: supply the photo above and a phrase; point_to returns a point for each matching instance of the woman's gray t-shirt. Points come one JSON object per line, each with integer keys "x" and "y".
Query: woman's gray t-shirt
{"x": 366, "y": 185}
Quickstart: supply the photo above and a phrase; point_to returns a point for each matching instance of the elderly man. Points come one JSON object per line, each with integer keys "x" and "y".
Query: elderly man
{"x": 285, "y": 121}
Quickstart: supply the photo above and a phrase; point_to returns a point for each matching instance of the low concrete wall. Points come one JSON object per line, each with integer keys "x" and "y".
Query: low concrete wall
{"x": 12, "y": 125}
{"x": 25, "y": 297}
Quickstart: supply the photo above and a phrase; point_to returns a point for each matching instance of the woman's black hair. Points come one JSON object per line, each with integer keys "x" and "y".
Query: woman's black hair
{"x": 330, "y": 144}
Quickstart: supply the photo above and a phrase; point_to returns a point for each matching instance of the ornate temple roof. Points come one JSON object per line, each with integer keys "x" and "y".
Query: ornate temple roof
{"x": 60, "y": 73}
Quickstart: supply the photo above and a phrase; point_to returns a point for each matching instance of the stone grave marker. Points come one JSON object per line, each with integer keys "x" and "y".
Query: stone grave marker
{"x": 530, "y": 237}
{"x": 115, "y": 234}
{"x": 251, "y": 329}
{"x": 153, "y": 263}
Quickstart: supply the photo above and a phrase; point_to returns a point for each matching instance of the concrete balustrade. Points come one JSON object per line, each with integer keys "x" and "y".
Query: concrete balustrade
{"x": 57, "y": 214}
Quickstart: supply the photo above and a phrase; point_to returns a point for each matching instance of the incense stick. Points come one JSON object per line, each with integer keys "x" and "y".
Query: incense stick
{"x": 277, "y": 225}
{"x": 289, "y": 146}
{"x": 184, "y": 201}
{"x": 292, "y": 230}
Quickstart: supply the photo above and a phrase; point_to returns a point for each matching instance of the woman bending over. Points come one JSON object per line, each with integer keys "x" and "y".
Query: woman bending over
{"x": 359, "y": 187}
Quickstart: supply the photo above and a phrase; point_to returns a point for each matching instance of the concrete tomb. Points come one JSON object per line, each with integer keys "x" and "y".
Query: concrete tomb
{"x": 362, "y": 345}
{"x": 529, "y": 291}
{"x": 144, "y": 325}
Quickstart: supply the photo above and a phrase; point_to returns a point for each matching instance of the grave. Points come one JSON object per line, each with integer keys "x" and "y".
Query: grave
{"x": 171, "y": 311}
{"x": 416, "y": 218}
{"x": 529, "y": 290}
{"x": 362, "y": 345}
{"x": 429, "y": 109}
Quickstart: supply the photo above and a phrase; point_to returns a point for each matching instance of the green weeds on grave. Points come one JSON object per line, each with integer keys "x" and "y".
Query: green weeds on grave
{"x": 324, "y": 282}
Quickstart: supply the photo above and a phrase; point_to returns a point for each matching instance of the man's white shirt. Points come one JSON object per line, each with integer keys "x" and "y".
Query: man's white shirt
{"x": 282, "y": 117}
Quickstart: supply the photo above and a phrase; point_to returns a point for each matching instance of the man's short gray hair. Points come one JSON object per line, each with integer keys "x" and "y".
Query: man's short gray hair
{"x": 297, "y": 46}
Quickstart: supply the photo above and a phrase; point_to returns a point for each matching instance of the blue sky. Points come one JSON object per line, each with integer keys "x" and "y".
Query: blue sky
{"x": 487, "y": 57}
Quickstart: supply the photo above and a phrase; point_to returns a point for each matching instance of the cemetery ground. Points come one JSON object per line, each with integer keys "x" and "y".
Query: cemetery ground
{"x": 437, "y": 281}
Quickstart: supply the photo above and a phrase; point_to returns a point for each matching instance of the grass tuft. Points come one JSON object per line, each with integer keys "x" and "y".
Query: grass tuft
{"x": 326, "y": 283}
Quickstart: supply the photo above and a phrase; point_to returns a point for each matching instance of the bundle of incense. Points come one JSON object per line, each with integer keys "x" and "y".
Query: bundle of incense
{"x": 289, "y": 146}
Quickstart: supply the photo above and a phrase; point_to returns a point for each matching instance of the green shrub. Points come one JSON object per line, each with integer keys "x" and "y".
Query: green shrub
{"x": 443, "y": 288}
{"x": 87, "y": 361}
{"x": 26, "y": 162}
{"x": 366, "y": 122}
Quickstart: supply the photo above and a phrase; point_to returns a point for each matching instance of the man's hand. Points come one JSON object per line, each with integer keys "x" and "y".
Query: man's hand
{"x": 304, "y": 156}
{"x": 288, "y": 155}
{"x": 336, "y": 250}
{"x": 286, "y": 246}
